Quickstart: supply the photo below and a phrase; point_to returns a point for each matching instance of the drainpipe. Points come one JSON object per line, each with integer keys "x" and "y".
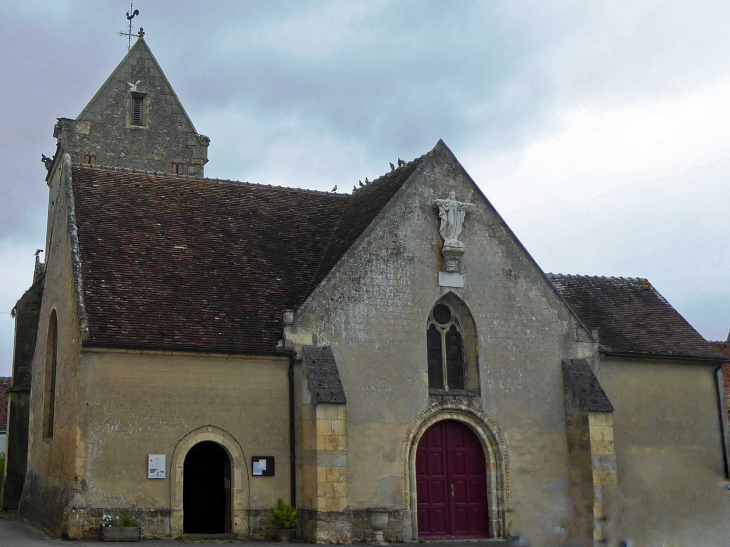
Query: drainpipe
{"x": 722, "y": 409}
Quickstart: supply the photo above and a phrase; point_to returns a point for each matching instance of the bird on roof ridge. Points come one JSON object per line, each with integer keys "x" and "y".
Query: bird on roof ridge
{"x": 401, "y": 163}
{"x": 391, "y": 165}
{"x": 333, "y": 189}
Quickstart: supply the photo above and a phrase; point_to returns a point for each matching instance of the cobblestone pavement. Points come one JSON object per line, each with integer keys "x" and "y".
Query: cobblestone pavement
{"x": 16, "y": 534}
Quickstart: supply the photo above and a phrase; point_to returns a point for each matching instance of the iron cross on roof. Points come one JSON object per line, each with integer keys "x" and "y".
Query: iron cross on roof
{"x": 131, "y": 14}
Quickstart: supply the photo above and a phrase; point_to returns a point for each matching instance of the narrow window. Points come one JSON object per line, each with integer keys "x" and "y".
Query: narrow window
{"x": 445, "y": 350}
{"x": 435, "y": 367}
{"x": 137, "y": 110}
{"x": 454, "y": 358}
{"x": 178, "y": 168}
{"x": 451, "y": 348}
{"x": 90, "y": 159}
{"x": 49, "y": 391}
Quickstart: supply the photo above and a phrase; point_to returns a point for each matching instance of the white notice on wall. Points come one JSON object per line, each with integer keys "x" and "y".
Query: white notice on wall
{"x": 259, "y": 467}
{"x": 156, "y": 466}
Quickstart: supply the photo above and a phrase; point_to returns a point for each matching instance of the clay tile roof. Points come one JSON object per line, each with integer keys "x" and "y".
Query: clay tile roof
{"x": 632, "y": 317}
{"x": 200, "y": 264}
{"x": 4, "y": 390}
{"x": 362, "y": 209}
{"x": 723, "y": 347}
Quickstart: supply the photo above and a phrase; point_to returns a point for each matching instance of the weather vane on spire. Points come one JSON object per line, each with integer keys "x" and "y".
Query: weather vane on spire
{"x": 131, "y": 14}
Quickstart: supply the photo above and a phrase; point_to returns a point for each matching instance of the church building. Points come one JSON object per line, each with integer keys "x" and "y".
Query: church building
{"x": 193, "y": 349}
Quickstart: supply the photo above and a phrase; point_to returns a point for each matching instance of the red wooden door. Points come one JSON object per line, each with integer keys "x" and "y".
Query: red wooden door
{"x": 451, "y": 483}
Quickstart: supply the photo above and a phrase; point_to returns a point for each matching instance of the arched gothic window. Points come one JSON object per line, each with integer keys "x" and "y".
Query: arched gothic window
{"x": 49, "y": 389}
{"x": 451, "y": 348}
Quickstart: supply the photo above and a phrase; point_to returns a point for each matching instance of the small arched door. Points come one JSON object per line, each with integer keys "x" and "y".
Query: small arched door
{"x": 451, "y": 482}
{"x": 207, "y": 490}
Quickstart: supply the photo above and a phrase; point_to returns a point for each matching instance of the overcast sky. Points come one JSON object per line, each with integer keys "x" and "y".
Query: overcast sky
{"x": 599, "y": 130}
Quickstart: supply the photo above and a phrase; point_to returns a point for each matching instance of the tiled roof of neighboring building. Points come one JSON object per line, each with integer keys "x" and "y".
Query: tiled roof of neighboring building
{"x": 723, "y": 347}
{"x": 4, "y": 390}
{"x": 579, "y": 378}
{"x": 632, "y": 317}
{"x": 187, "y": 263}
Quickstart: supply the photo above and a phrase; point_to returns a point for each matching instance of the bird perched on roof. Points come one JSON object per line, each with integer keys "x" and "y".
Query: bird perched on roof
{"x": 334, "y": 189}
{"x": 367, "y": 181}
{"x": 401, "y": 162}
{"x": 354, "y": 188}
{"x": 391, "y": 165}
{"x": 361, "y": 184}
{"x": 48, "y": 162}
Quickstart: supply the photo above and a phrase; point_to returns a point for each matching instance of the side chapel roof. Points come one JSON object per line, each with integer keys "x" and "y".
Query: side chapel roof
{"x": 632, "y": 318}
{"x": 187, "y": 263}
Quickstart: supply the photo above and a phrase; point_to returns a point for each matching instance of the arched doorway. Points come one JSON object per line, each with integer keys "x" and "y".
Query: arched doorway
{"x": 451, "y": 483}
{"x": 207, "y": 489}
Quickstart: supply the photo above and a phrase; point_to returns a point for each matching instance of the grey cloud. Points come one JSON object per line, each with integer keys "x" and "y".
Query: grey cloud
{"x": 343, "y": 88}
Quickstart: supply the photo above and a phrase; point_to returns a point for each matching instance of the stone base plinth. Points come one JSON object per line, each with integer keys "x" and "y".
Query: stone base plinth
{"x": 325, "y": 526}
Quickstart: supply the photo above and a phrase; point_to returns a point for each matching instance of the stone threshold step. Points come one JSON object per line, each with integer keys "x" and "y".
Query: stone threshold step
{"x": 207, "y": 537}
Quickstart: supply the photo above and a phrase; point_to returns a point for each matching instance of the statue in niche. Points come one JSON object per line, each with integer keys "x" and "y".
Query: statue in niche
{"x": 452, "y": 214}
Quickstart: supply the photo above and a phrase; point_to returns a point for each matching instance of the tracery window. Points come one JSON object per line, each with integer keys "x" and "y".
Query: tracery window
{"x": 451, "y": 348}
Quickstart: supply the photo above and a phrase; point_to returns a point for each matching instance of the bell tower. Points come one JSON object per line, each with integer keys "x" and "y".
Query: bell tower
{"x": 135, "y": 120}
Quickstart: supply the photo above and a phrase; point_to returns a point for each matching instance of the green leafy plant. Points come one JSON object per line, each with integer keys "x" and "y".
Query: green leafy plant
{"x": 125, "y": 520}
{"x": 284, "y": 516}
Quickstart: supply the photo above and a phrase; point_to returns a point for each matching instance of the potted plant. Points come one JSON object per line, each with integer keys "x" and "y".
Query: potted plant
{"x": 120, "y": 528}
{"x": 284, "y": 517}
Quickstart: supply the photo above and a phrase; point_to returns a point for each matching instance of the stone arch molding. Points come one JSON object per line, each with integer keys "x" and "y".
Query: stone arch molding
{"x": 239, "y": 477}
{"x": 495, "y": 454}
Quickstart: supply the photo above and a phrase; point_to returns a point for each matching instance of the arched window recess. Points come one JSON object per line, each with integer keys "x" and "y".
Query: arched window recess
{"x": 452, "y": 349}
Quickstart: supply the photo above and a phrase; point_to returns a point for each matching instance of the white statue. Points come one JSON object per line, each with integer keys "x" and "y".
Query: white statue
{"x": 452, "y": 213}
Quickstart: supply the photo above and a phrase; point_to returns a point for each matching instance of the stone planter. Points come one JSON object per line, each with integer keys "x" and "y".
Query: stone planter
{"x": 131, "y": 533}
{"x": 285, "y": 534}
{"x": 378, "y": 520}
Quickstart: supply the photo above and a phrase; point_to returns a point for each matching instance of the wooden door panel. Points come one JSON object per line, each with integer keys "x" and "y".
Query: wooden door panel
{"x": 451, "y": 483}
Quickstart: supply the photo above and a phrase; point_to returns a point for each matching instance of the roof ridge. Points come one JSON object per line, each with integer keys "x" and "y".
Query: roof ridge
{"x": 205, "y": 179}
{"x": 579, "y": 276}
{"x": 392, "y": 171}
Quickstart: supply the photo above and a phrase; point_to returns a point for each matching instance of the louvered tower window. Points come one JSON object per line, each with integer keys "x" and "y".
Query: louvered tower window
{"x": 137, "y": 110}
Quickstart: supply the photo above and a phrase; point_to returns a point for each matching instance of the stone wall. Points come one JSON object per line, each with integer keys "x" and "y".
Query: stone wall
{"x": 323, "y": 495}
{"x": 362, "y": 530}
{"x": 373, "y": 309}
{"x": 53, "y": 473}
{"x": 104, "y": 130}
{"x": 604, "y": 476}
{"x": 140, "y": 403}
{"x": 27, "y": 315}
{"x": 669, "y": 451}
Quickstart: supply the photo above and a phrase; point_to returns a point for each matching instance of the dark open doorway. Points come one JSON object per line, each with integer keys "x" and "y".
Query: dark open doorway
{"x": 207, "y": 490}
